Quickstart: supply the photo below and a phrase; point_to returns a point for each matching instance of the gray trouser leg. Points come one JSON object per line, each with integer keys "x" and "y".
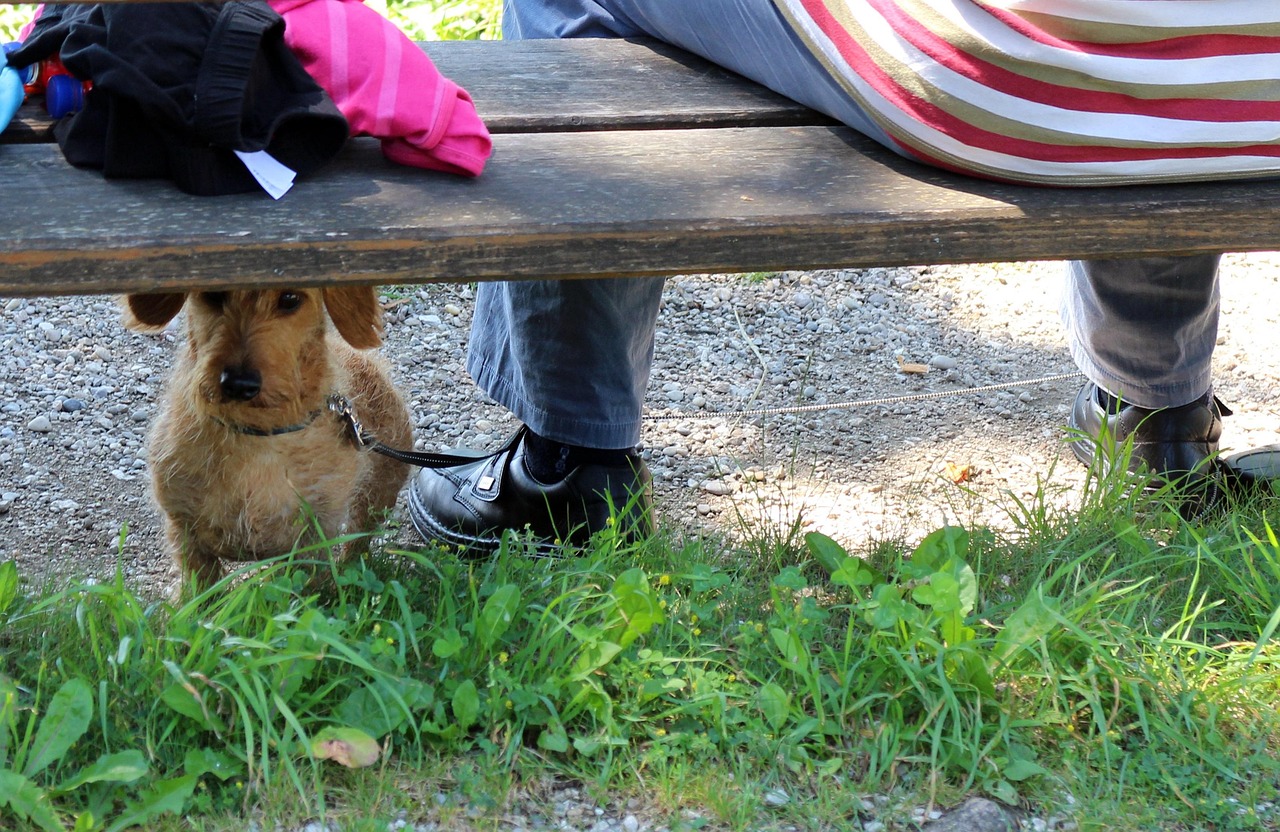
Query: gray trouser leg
{"x": 1144, "y": 329}
{"x": 570, "y": 358}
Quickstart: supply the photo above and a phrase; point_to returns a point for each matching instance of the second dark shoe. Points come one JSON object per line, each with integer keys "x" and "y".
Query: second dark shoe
{"x": 471, "y": 505}
{"x": 1175, "y": 444}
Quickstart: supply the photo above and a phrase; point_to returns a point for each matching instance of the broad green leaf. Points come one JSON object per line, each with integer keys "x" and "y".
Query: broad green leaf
{"x": 466, "y": 704}
{"x": 371, "y": 710}
{"x": 8, "y": 714}
{"x": 200, "y": 761}
{"x": 349, "y": 747}
{"x": 1003, "y": 791}
{"x": 594, "y": 656}
{"x": 828, "y": 553}
{"x": 942, "y": 593}
{"x": 794, "y": 654}
{"x": 966, "y": 583}
{"x": 122, "y": 767}
{"x": 449, "y": 643}
{"x": 790, "y": 577}
{"x": 64, "y": 722}
{"x": 184, "y": 698}
{"x": 704, "y": 578}
{"x": 887, "y": 609}
{"x": 287, "y": 678}
{"x": 498, "y": 613}
{"x": 8, "y": 584}
{"x": 554, "y": 738}
{"x": 954, "y": 631}
{"x": 1035, "y": 619}
{"x": 775, "y": 704}
{"x": 855, "y": 573}
{"x": 168, "y": 796}
{"x": 637, "y": 605}
{"x": 1019, "y": 770}
{"x": 942, "y": 545}
{"x": 653, "y": 688}
{"x": 28, "y": 801}
{"x": 588, "y": 746}
{"x": 974, "y": 671}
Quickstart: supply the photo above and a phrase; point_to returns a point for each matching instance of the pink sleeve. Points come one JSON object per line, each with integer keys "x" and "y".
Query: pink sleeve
{"x": 26, "y": 30}
{"x": 386, "y": 86}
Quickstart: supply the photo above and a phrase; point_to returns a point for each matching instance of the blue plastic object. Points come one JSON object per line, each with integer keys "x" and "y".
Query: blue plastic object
{"x": 27, "y": 73}
{"x": 11, "y": 94}
{"x": 63, "y": 95}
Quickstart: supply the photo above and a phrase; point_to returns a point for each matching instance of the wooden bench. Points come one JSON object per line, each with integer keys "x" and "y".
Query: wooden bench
{"x": 612, "y": 158}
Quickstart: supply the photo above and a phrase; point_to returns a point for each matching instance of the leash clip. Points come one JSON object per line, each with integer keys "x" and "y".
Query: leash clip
{"x": 341, "y": 406}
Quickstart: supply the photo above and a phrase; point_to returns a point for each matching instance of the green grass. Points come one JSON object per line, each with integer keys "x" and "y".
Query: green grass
{"x": 1117, "y": 654}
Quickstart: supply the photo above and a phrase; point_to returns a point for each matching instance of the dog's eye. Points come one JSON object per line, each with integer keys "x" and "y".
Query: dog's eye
{"x": 288, "y": 301}
{"x": 214, "y": 300}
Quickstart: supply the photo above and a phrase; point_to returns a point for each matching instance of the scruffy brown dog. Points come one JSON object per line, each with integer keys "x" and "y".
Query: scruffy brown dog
{"x": 246, "y": 458}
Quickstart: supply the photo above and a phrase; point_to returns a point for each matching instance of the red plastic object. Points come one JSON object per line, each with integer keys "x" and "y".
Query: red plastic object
{"x": 63, "y": 92}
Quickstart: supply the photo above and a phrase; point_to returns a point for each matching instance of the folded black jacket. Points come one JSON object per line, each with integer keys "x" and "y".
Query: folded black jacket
{"x": 178, "y": 86}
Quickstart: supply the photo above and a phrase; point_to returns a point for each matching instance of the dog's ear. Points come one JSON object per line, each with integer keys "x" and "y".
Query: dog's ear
{"x": 354, "y": 310}
{"x": 151, "y": 311}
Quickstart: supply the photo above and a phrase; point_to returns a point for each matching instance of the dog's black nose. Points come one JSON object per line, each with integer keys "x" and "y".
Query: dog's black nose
{"x": 240, "y": 383}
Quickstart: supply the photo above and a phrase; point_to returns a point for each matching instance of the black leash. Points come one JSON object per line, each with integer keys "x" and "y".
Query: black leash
{"x": 1249, "y": 469}
{"x": 341, "y": 406}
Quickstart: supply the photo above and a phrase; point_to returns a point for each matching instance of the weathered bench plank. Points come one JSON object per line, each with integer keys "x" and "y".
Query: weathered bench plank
{"x": 591, "y": 204}
{"x": 570, "y": 85}
{"x": 607, "y": 84}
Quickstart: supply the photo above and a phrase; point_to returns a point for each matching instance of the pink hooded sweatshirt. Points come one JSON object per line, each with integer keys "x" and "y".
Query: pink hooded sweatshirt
{"x": 385, "y": 85}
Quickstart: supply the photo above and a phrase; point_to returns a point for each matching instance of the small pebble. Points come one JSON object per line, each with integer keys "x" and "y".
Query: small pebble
{"x": 943, "y": 362}
{"x": 777, "y": 797}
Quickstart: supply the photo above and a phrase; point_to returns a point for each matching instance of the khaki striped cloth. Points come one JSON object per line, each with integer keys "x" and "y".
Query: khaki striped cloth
{"x": 1062, "y": 92}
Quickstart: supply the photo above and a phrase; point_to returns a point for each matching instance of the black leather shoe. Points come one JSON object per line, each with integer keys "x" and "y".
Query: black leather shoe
{"x": 1176, "y": 445}
{"x": 471, "y": 505}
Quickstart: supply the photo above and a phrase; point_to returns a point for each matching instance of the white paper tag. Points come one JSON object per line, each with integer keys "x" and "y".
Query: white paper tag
{"x": 275, "y": 178}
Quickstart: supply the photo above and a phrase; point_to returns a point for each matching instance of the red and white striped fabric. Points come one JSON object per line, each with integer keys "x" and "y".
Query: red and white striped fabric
{"x": 1065, "y": 92}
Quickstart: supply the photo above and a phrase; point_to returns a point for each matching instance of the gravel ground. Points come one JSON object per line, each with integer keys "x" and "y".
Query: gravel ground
{"x": 77, "y": 393}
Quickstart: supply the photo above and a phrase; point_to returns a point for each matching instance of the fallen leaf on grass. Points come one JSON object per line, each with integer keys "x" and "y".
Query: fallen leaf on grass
{"x": 350, "y": 747}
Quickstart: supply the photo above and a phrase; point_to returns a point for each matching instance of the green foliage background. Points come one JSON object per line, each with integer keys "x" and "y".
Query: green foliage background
{"x": 12, "y": 18}
{"x": 446, "y": 19}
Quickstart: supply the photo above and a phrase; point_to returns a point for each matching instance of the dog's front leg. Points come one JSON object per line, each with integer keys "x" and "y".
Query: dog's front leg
{"x": 199, "y": 568}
